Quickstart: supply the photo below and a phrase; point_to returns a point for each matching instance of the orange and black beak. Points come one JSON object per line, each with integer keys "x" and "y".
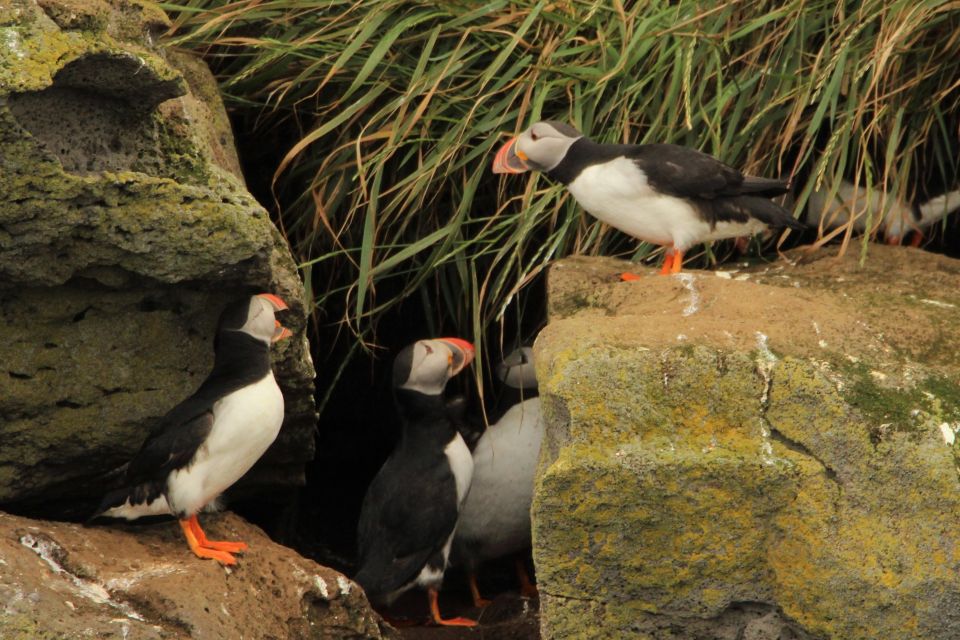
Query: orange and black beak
{"x": 462, "y": 353}
{"x": 509, "y": 159}
{"x": 278, "y": 305}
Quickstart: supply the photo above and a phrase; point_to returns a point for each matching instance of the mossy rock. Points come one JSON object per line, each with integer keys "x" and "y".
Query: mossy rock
{"x": 125, "y": 227}
{"x": 773, "y": 444}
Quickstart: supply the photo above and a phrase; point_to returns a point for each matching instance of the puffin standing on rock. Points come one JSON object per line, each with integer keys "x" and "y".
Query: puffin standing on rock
{"x": 207, "y": 442}
{"x": 409, "y": 514}
{"x": 659, "y": 193}
{"x": 495, "y": 520}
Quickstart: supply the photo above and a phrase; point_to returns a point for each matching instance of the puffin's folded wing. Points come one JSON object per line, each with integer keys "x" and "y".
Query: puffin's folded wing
{"x": 688, "y": 173}
{"x": 171, "y": 447}
{"x": 407, "y": 527}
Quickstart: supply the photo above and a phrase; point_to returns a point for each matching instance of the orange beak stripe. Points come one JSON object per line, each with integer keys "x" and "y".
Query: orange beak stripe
{"x": 278, "y": 304}
{"x": 501, "y": 162}
{"x": 462, "y": 345}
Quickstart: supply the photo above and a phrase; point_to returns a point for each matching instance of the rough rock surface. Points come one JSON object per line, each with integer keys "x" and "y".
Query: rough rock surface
{"x": 64, "y": 581}
{"x": 125, "y": 227}
{"x": 765, "y": 454}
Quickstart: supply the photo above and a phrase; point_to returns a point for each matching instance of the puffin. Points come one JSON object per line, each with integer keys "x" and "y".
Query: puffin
{"x": 409, "y": 513}
{"x": 894, "y": 216}
{"x": 207, "y": 442}
{"x": 659, "y": 193}
{"x": 495, "y": 519}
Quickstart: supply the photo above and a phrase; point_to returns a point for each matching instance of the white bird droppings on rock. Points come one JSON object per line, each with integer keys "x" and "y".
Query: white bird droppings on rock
{"x": 820, "y": 341}
{"x": 949, "y": 435}
{"x": 321, "y": 587}
{"x": 765, "y": 362}
{"x": 693, "y": 304}
{"x": 937, "y": 303}
{"x": 344, "y": 585}
{"x": 50, "y": 552}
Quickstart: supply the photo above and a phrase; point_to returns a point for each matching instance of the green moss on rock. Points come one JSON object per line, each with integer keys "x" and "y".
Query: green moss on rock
{"x": 795, "y": 460}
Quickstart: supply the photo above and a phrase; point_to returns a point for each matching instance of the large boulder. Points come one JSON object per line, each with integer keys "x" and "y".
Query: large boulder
{"x": 767, "y": 453}
{"x": 60, "y": 580}
{"x": 125, "y": 228}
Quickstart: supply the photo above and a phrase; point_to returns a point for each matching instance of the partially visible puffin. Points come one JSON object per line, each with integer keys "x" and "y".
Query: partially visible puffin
{"x": 892, "y": 215}
{"x": 659, "y": 193}
{"x": 495, "y": 520}
{"x": 208, "y": 441}
{"x": 409, "y": 514}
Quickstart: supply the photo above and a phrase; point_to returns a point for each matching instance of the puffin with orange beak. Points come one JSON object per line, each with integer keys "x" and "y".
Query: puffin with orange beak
{"x": 410, "y": 511}
{"x": 207, "y": 442}
{"x": 659, "y": 193}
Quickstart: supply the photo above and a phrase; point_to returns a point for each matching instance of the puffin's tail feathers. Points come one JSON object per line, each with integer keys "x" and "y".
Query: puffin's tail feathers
{"x": 132, "y": 503}
{"x": 764, "y": 186}
{"x": 372, "y": 584}
{"x": 936, "y": 208}
{"x": 770, "y": 212}
{"x": 113, "y": 499}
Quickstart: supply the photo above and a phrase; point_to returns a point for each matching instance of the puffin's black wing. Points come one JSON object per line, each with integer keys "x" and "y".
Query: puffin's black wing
{"x": 688, "y": 173}
{"x": 174, "y": 444}
{"x": 170, "y": 447}
{"x": 407, "y": 516}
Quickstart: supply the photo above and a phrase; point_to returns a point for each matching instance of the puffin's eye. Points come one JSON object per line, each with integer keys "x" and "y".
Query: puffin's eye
{"x": 533, "y": 136}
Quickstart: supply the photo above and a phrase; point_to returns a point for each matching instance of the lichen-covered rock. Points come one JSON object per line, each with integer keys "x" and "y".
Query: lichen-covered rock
{"x": 125, "y": 227}
{"x": 65, "y": 581}
{"x": 767, "y": 453}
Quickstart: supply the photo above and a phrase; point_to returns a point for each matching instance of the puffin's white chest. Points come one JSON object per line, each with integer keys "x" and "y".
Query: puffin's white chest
{"x": 246, "y": 422}
{"x": 618, "y": 193}
{"x": 461, "y": 464}
{"x": 495, "y": 520}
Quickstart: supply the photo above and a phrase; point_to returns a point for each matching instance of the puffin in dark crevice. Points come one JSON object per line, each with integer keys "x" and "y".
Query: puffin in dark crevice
{"x": 207, "y": 442}
{"x": 410, "y": 511}
{"x": 495, "y": 519}
{"x": 659, "y": 193}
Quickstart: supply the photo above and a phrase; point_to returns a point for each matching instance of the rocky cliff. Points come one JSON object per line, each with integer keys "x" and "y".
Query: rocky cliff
{"x": 759, "y": 453}
{"x": 136, "y": 582}
{"x": 125, "y": 228}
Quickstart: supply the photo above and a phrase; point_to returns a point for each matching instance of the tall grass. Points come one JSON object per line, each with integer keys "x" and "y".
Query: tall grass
{"x": 399, "y": 106}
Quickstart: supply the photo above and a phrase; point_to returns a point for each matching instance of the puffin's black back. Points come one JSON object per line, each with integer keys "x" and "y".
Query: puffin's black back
{"x": 720, "y": 192}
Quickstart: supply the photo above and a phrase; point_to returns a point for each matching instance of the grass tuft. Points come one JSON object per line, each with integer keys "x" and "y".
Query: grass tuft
{"x": 396, "y": 108}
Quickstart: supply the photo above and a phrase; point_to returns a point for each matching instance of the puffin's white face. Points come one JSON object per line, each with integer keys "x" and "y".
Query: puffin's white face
{"x": 261, "y": 323}
{"x": 517, "y": 369}
{"x": 540, "y": 148}
{"x": 426, "y": 365}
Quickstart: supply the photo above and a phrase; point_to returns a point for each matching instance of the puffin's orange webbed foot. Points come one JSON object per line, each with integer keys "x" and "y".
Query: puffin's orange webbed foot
{"x": 478, "y": 601}
{"x": 626, "y": 276}
{"x": 667, "y": 263}
{"x": 445, "y": 622}
{"x": 218, "y": 545}
{"x": 677, "y": 262}
{"x": 527, "y": 588}
{"x": 223, "y": 557}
